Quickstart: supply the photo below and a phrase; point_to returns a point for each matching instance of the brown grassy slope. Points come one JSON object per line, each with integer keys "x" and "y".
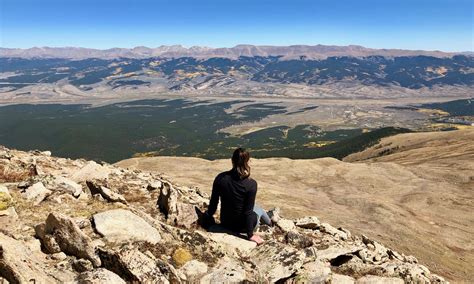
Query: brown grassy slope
{"x": 419, "y": 199}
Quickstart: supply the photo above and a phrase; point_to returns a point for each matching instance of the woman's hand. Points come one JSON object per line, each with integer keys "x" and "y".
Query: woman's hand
{"x": 257, "y": 239}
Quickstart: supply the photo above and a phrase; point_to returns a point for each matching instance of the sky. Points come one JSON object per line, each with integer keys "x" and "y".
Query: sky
{"x": 445, "y": 25}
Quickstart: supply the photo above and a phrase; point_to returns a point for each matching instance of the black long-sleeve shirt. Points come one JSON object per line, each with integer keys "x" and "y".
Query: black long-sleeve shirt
{"x": 237, "y": 201}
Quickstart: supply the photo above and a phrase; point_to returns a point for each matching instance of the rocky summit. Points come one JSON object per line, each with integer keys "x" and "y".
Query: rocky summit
{"x": 78, "y": 221}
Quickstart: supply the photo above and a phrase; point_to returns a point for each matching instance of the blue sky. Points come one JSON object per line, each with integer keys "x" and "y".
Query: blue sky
{"x": 410, "y": 24}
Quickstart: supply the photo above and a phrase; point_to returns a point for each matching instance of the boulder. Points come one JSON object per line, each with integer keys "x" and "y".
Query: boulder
{"x": 275, "y": 261}
{"x": 193, "y": 269}
{"x": 132, "y": 265}
{"x": 185, "y": 215}
{"x": 120, "y": 225}
{"x": 298, "y": 240}
{"x": 372, "y": 279}
{"x": 274, "y": 214}
{"x": 105, "y": 192}
{"x": 99, "y": 276}
{"x": 342, "y": 279}
{"x": 67, "y": 185}
{"x": 167, "y": 200}
{"x": 286, "y": 225}
{"x": 48, "y": 242}
{"x": 6, "y": 203}
{"x": 226, "y": 271}
{"x": 70, "y": 238}
{"x": 176, "y": 212}
{"x": 314, "y": 272}
{"x": 58, "y": 256}
{"x": 337, "y": 250}
{"x": 36, "y": 193}
{"x": 18, "y": 264}
{"x": 154, "y": 185}
{"x": 5, "y": 198}
{"x": 10, "y": 212}
{"x": 91, "y": 171}
{"x": 312, "y": 223}
{"x": 231, "y": 242}
{"x": 326, "y": 228}
{"x": 82, "y": 265}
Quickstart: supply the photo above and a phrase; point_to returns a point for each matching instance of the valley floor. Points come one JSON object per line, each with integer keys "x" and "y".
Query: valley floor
{"x": 413, "y": 192}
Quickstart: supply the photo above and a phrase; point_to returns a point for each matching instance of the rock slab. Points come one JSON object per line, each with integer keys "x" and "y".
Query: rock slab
{"x": 120, "y": 225}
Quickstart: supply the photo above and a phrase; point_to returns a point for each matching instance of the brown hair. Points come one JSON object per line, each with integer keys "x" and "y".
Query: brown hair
{"x": 240, "y": 162}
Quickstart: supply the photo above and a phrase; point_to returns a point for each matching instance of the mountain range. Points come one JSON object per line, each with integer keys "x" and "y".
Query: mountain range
{"x": 287, "y": 52}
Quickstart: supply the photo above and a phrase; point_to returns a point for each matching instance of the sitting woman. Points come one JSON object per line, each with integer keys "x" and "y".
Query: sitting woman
{"x": 237, "y": 192}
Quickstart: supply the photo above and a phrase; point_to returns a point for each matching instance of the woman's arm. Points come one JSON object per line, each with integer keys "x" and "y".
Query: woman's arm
{"x": 250, "y": 216}
{"x": 211, "y": 209}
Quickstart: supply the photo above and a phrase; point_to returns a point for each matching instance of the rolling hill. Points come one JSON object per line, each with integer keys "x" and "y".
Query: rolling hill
{"x": 412, "y": 191}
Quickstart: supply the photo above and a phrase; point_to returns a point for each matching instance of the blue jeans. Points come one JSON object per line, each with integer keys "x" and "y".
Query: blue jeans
{"x": 262, "y": 215}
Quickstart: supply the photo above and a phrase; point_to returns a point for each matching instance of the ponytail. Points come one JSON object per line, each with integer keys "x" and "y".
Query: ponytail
{"x": 240, "y": 162}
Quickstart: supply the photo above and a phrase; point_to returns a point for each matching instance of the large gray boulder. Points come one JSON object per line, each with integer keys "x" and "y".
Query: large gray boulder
{"x": 99, "y": 276}
{"x": 120, "y": 225}
{"x": 70, "y": 238}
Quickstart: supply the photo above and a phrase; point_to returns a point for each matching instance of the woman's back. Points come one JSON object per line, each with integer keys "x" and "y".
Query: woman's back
{"x": 237, "y": 197}
{"x": 237, "y": 193}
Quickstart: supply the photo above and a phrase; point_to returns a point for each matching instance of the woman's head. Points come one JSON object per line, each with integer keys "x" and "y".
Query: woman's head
{"x": 240, "y": 162}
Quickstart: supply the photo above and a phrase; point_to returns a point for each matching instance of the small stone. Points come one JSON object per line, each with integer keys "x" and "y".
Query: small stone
{"x": 342, "y": 279}
{"x": 194, "y": 268}
{"x": 82, "y": 265}
{"x": 181, "y": 256}
{"x": 226, "y": 271}
{"x": 99, "y": 276}
{"x": 34, "y": 245}
{"x": 372, "y": 279}
{"x": 298, "y": 240}
{"x": 10, "y": 212}
{"x": 274, "y": 214}
{"x": 308, "y": 223}
{"x": 154, "y": 185}
{"x": 91, "y": 171}
{"x": 105, "y": 192}
{"x": 326, "y": 228}
{"x": 83, "y": 223}
{"x": 286, "y": 225}
{"x": 59, "y": 256}
{"x": 67, "y": 185}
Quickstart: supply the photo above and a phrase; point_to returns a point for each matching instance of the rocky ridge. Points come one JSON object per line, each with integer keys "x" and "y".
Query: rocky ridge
{"x": 293, "y": 51}
{"x": 78, "y": 221}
